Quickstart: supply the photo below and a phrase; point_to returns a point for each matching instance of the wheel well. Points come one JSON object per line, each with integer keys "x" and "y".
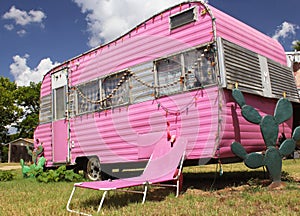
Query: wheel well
{"x": 81, "y": 162}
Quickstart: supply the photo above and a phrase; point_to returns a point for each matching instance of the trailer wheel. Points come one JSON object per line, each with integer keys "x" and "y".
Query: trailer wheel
{"x": 93, "y": 169}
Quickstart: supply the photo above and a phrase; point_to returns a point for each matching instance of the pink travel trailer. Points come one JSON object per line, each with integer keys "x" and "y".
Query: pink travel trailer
{"x": 170, "y": 77}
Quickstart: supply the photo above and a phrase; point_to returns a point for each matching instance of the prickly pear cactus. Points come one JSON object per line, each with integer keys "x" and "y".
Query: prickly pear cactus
{"x": 35, "y": 153}
{"x": 269, "y": 128}
{"x": 37, "y": 163}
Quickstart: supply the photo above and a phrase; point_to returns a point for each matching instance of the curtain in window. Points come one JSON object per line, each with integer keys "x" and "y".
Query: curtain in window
{"x": 120, "y": 91}
{"x": 89, "y": 93}
{"x": 169, "y": 72}
{"x": 198, "y": 69}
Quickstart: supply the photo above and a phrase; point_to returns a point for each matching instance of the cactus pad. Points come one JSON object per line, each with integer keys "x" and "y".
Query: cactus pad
{"x": 254, "y": 160}
{"x": 238, "y": 150}
{"x": 269, "y": 130}
{"x": 251, "y": 114}
{"x": 287, "y": 147}
{"x": 269, "y": 127}
{"x": 238, "y": 97}
{"x": 296, "y": 134}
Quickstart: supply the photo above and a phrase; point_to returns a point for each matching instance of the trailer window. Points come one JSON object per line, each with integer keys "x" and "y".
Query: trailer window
{"x": 169, "y": 73}
{"x": 115, "y": 89}
{"x": 89, "y": 94}
{"x": 183, "y": 18}
{"x": 189, "y": 70}
{"x": 198, "y": 69}
{"x": 59, "y": 102}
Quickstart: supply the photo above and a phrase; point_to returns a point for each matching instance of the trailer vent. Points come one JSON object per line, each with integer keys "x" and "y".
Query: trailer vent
{"x": 242, "y": 66}
{"x": 183, "y": 18}
{"x": 282, "y": 80}
{"x": 250, "y": 70}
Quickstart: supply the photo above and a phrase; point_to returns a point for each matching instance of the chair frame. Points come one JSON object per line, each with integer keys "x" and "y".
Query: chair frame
{"x": 144, "y": 184}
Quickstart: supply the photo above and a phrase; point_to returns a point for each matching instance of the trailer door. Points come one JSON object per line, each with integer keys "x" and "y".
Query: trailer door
{"x": 60, "y": 149}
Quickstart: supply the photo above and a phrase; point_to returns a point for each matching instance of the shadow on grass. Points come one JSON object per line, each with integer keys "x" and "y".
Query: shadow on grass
{"x": 119, "y": 199}
{"x": 208, "y": 181}
{"x": 214, "y": 181}
{"x": 202, "y": 181}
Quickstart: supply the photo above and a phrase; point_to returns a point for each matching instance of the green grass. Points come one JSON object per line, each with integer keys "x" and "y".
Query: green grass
{"x": 239, "y": 191}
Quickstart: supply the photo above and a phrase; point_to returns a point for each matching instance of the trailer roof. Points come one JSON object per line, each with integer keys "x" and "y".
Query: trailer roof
{"x": 223, "y": 25}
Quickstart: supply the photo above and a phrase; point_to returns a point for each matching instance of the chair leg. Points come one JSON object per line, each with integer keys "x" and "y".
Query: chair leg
{"x": 101, "y": 202}
{"x": 69, "y": 201}
{"x": 177, "y": 187}
{"x": 145, "y": 193}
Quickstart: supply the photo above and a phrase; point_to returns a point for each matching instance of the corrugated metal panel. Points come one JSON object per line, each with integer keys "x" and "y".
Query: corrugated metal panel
{"x": 43, "y": 133}
{"x": 236, "y": 128}
{"x": 282, "y": 80}
{"x": 140, "y": 92}
{"x": 152, "y": 39}
{"x": 240, "y": 33}
{"x": 46, "y": 85}
{"x": 148, "y": 42}
{"x": 242, "y": 66}
{"x": 45, "y": 109}
{"x": 112, "y": 134}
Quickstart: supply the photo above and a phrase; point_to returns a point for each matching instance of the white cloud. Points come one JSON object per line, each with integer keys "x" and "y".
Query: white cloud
{"x": 21, "y": 32}
{"x": 24, "y": 75}
{"x": 285, "y": 30}
{"x": 23, "y": 17}
{"x": 9, "y": 27}
{"x": 294, "y": 43}
{"x": 108, "y": 19}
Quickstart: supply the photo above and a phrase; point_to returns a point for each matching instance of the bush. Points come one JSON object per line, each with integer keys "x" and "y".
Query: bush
{"x": 6, "y": 176}
{"x": 285, "y": 176}
{"x": 60, "y": 174}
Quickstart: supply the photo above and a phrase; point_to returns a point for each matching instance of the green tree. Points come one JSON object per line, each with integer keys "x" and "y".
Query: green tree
{"x": 19, "y": 107}
{"x": 28, "y": 97}
{"x": 296, "y": 45}
{"x": 9, "y": 111}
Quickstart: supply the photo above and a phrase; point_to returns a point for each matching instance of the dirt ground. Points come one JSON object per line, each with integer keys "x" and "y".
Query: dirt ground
{"x": 7, "y": 166}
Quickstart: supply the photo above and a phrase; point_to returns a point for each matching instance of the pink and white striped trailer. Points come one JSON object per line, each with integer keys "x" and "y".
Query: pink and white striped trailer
{"x": 171, "y": 75}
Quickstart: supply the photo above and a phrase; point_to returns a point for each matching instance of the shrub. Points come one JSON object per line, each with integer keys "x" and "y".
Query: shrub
{"x": 6, "y": 176}
{"x": 60, "y": 174}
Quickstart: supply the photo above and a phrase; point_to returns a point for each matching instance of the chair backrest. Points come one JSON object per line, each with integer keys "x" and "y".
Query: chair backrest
{"x": 164, "y": 160}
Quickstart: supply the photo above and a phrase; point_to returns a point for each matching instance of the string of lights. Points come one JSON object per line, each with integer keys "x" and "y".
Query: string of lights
{"x": 124, "y": 78}
{"x": 208, "y": 53}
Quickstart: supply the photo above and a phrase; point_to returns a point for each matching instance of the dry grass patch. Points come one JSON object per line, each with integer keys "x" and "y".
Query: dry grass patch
{"x": 239, "y": 191}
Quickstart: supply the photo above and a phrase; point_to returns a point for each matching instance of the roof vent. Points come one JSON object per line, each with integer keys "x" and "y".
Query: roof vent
{"x": 183, "y": 18}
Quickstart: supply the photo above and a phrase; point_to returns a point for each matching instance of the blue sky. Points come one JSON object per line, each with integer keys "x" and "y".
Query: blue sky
{"x": 36, "y": 35}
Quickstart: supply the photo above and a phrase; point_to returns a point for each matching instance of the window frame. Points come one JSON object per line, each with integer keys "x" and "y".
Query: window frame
{"x": 180, "y": 15}
{"x": 102, "y": 91}
{"x": 77, "y": 96}
{"x": 182, "y": 84}
{"x": 184, "y": 71}
{"x": 62, "y": 109}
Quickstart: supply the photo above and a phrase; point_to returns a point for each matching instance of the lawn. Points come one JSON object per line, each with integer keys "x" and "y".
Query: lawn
{"x": 239, "y": 191}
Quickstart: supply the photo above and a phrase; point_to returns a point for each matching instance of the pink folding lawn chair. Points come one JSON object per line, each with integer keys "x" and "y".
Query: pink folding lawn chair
{"x": 165, "y": 164}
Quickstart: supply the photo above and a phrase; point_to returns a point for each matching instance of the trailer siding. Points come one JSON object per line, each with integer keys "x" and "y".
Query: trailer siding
{"x": 237, "y": 128}
{"x": 241, "y": 34}
{"x": 115, "y": 133}
{"x": 209, "y": 125}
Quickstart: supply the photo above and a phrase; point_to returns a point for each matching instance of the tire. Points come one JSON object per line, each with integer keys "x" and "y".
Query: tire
{"x": 93, "y": 169}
